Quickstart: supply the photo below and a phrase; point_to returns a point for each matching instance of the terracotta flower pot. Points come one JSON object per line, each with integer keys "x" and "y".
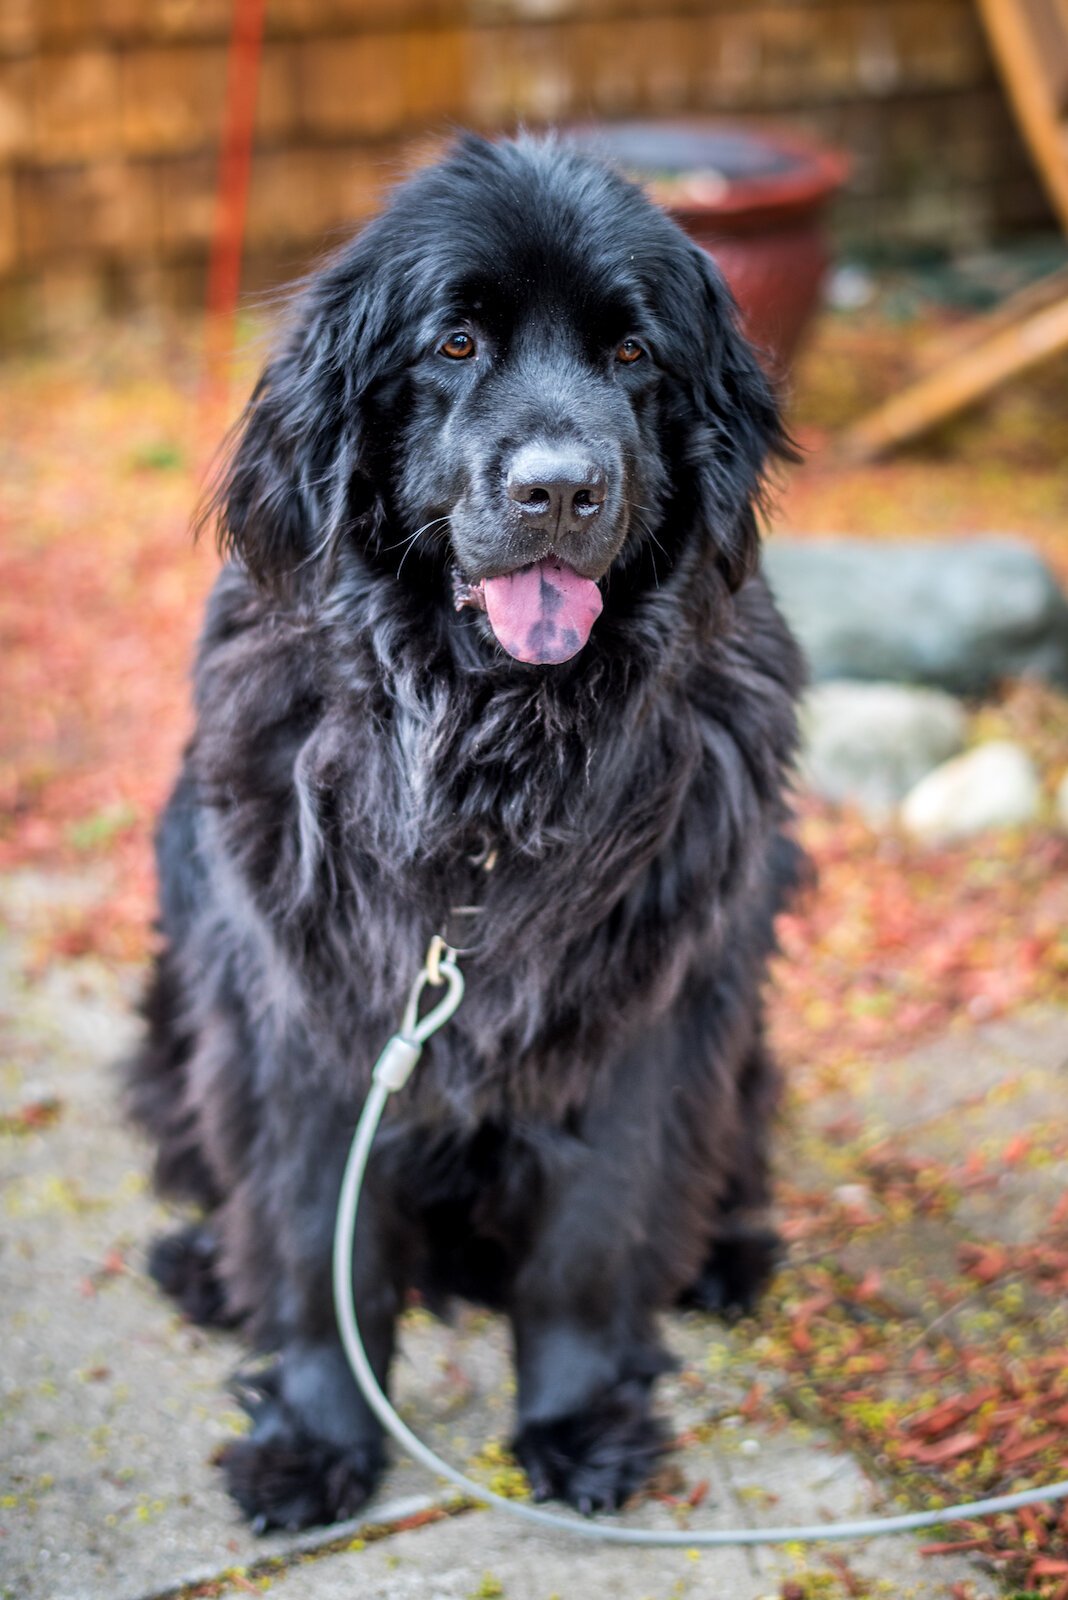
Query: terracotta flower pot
{"x": 753, "y": 198}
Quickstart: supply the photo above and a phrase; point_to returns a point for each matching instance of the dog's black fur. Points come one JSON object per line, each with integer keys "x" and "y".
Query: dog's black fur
{"x": 585, "y": 1142}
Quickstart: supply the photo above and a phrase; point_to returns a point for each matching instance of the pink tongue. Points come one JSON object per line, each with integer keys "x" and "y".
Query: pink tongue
{"x": 542, "y": 613}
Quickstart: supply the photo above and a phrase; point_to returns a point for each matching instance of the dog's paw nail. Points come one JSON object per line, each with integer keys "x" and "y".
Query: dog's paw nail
{"x": 259, "y": 1525}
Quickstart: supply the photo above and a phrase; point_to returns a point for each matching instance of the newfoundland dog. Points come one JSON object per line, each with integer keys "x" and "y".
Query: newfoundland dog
{"x": 492, "y": 657}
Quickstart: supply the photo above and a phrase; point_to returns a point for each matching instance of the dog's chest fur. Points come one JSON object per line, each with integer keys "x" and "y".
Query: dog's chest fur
{"x": 355, "y": 801}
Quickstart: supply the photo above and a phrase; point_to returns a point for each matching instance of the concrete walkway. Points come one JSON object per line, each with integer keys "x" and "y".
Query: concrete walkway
{"x": 111, "y": 1406}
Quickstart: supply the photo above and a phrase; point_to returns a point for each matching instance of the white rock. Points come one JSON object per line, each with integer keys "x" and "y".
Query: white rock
{"x": 858, "y": 1198}
{"x": 993, "y": 786}
{"x": 870, "y": 743}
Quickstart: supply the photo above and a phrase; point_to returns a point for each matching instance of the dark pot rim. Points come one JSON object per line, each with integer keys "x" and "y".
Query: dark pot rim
{"x": 818, "y": 170}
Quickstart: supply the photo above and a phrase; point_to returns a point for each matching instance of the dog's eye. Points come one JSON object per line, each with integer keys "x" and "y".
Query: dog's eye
{"x": 458, "y": 346}
{"x": 630, "y": 350}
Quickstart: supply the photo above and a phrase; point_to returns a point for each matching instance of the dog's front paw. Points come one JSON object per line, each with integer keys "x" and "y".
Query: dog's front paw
{"x": 282, "y": 1477}
{"x": 597, "y": 1458}
{"x": 298, "y": 1483}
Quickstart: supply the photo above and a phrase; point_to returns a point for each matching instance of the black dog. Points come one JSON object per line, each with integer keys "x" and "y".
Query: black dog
{"x": 493, "y": 599}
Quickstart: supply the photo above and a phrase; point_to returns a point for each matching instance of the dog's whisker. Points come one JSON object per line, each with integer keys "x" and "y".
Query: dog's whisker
{"x": 436, "y": 523}
{"x": 644, "y": 528}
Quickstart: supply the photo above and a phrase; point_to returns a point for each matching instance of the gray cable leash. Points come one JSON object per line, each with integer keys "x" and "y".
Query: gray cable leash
{"x": 392, "y": 1071}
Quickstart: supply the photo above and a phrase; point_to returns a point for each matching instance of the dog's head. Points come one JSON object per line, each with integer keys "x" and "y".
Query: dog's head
{"x": 519, "y": 379}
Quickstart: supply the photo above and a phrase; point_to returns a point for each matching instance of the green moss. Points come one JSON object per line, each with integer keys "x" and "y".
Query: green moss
{"x": 98, "y": 830}
{"x": 498, "y": 1469}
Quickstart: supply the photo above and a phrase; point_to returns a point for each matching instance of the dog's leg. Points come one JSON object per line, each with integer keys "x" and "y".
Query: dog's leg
{"x": 745, "y": 1247}
{"x": 183, "y": 1261}
{"x": 157, "y": 1090}
{"x": 315, "y": 1452}
{"x": 586, "y": 1349}
{"x": 157, "y": 1077}
{"x": 586, "y": 1432}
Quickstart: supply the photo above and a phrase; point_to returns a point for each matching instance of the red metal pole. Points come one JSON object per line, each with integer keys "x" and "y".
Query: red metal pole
{"x": 231, "y": 199}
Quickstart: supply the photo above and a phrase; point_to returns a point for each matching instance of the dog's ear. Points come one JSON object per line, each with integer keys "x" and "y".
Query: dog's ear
{"x": 740, "y": 426}
{"x": 292, "y": 484}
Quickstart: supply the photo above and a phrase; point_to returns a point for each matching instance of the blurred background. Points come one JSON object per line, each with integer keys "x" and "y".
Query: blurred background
{"x": 885, "y": 183}
{"x": 111, "y": 113}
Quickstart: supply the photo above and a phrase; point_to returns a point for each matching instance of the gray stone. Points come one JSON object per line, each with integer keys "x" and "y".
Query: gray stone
{"x": 870, "y": 743}
{"x": 956, "y": 615}
{"x": 993, "y": 786}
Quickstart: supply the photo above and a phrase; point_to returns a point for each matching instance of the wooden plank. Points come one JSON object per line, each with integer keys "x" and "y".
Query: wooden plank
{"x": 172, "y": 98}
{"x": 353, "y": 86}
{"x": 8, "y": 234}
{"x": 16, "y": 109}
{"x": 76, "y": 106}
{"x": 436, "y": 75}
{"x": 1034, "y": 297}
{"x": 19, "y": 24}
{"x": 314, "y": 197}
{"x": 54, "y": 213}
{"x": 974, "y": 373}
{"x": 1048, "y": 20}
{"x": 121, "y": 207}
{"x": 185, "y": 202}
{"x": 1015, "y": 43}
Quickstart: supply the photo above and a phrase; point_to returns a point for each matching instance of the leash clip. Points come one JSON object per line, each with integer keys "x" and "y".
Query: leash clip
{"x": 401, "y": 1053}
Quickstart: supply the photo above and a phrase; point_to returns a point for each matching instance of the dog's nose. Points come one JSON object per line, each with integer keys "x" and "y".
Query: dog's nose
{"x": 556, "y": 488}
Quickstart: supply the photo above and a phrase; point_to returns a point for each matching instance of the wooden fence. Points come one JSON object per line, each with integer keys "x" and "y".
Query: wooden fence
{"x": 110, "y": 113}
